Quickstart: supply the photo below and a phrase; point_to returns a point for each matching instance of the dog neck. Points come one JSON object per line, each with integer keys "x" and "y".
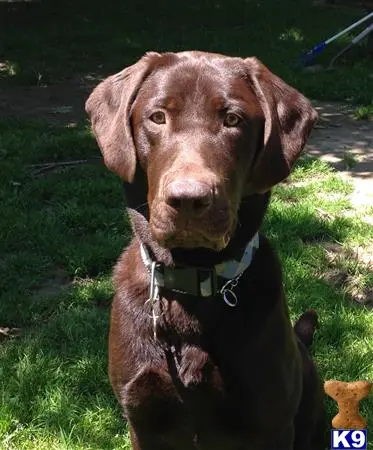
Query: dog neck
{"x": 250, "y": 216}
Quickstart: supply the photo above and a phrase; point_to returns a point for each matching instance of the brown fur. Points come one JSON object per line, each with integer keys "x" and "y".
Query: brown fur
{"x": 197, "y": 189}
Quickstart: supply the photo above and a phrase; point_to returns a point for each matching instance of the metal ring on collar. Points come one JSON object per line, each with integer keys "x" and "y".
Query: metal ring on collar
{"x": 230, "y": 298}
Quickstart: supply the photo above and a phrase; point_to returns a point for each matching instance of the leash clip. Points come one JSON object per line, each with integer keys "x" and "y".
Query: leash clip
{"x": 229, "y": 297}
{"x": 154, "y": 299}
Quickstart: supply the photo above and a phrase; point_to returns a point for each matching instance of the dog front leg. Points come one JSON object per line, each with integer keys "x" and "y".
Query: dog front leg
{"x": 154, "y": 412}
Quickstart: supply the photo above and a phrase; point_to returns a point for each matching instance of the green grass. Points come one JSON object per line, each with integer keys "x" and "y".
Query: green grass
{"x": 364, "y": 112}
{"x": 54, "y": 388}
{"x": 61, "y": 231}
{"x": 88, "y": 38}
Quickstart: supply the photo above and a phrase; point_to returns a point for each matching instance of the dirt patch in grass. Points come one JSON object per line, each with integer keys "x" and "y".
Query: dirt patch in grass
{"x": 61, "y": 104}
{"x": 347, "y": 144}
{"x": 9, "y": 333}
{"x": 343, "y": 271}
{"x": 56, "y": 281}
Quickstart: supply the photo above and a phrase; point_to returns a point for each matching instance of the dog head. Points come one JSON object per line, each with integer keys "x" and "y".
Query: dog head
{"x": 207, "y": 130}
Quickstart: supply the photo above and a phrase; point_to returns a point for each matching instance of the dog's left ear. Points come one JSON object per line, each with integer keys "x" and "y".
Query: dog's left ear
{"x": 109, "y": 106}
{"x": 289, "y": 118}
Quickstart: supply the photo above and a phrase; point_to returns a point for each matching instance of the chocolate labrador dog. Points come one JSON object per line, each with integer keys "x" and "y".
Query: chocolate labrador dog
{"x": 202, "y": 354}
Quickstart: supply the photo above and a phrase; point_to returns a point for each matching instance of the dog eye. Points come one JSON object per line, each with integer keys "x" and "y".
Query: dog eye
{"x": 231, "y": 120}
{"x": 158, "y": 117}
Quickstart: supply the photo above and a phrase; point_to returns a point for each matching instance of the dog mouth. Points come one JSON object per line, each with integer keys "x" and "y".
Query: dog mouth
{"x": 190, "y": 239}
{"x": 170, "y": 235}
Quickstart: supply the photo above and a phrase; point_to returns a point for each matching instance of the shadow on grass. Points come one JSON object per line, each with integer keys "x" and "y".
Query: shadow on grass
{"x": 87, "y": 39}
{"x": 53, "y": 379}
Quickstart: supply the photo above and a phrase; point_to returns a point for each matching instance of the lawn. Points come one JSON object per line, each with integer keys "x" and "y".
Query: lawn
{"x": 45, "y": 42}
{"x": 61, "y": 230}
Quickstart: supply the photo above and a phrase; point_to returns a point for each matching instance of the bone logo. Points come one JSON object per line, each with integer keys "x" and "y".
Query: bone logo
{"x": 349, "y": 425}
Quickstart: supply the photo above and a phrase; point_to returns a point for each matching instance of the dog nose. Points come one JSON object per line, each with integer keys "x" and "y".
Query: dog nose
{"x": 189, "y": 196}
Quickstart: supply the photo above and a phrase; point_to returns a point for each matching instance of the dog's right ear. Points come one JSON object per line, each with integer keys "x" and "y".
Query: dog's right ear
{"x": 108, "y": 107}
{"x": 289, "y": 118}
